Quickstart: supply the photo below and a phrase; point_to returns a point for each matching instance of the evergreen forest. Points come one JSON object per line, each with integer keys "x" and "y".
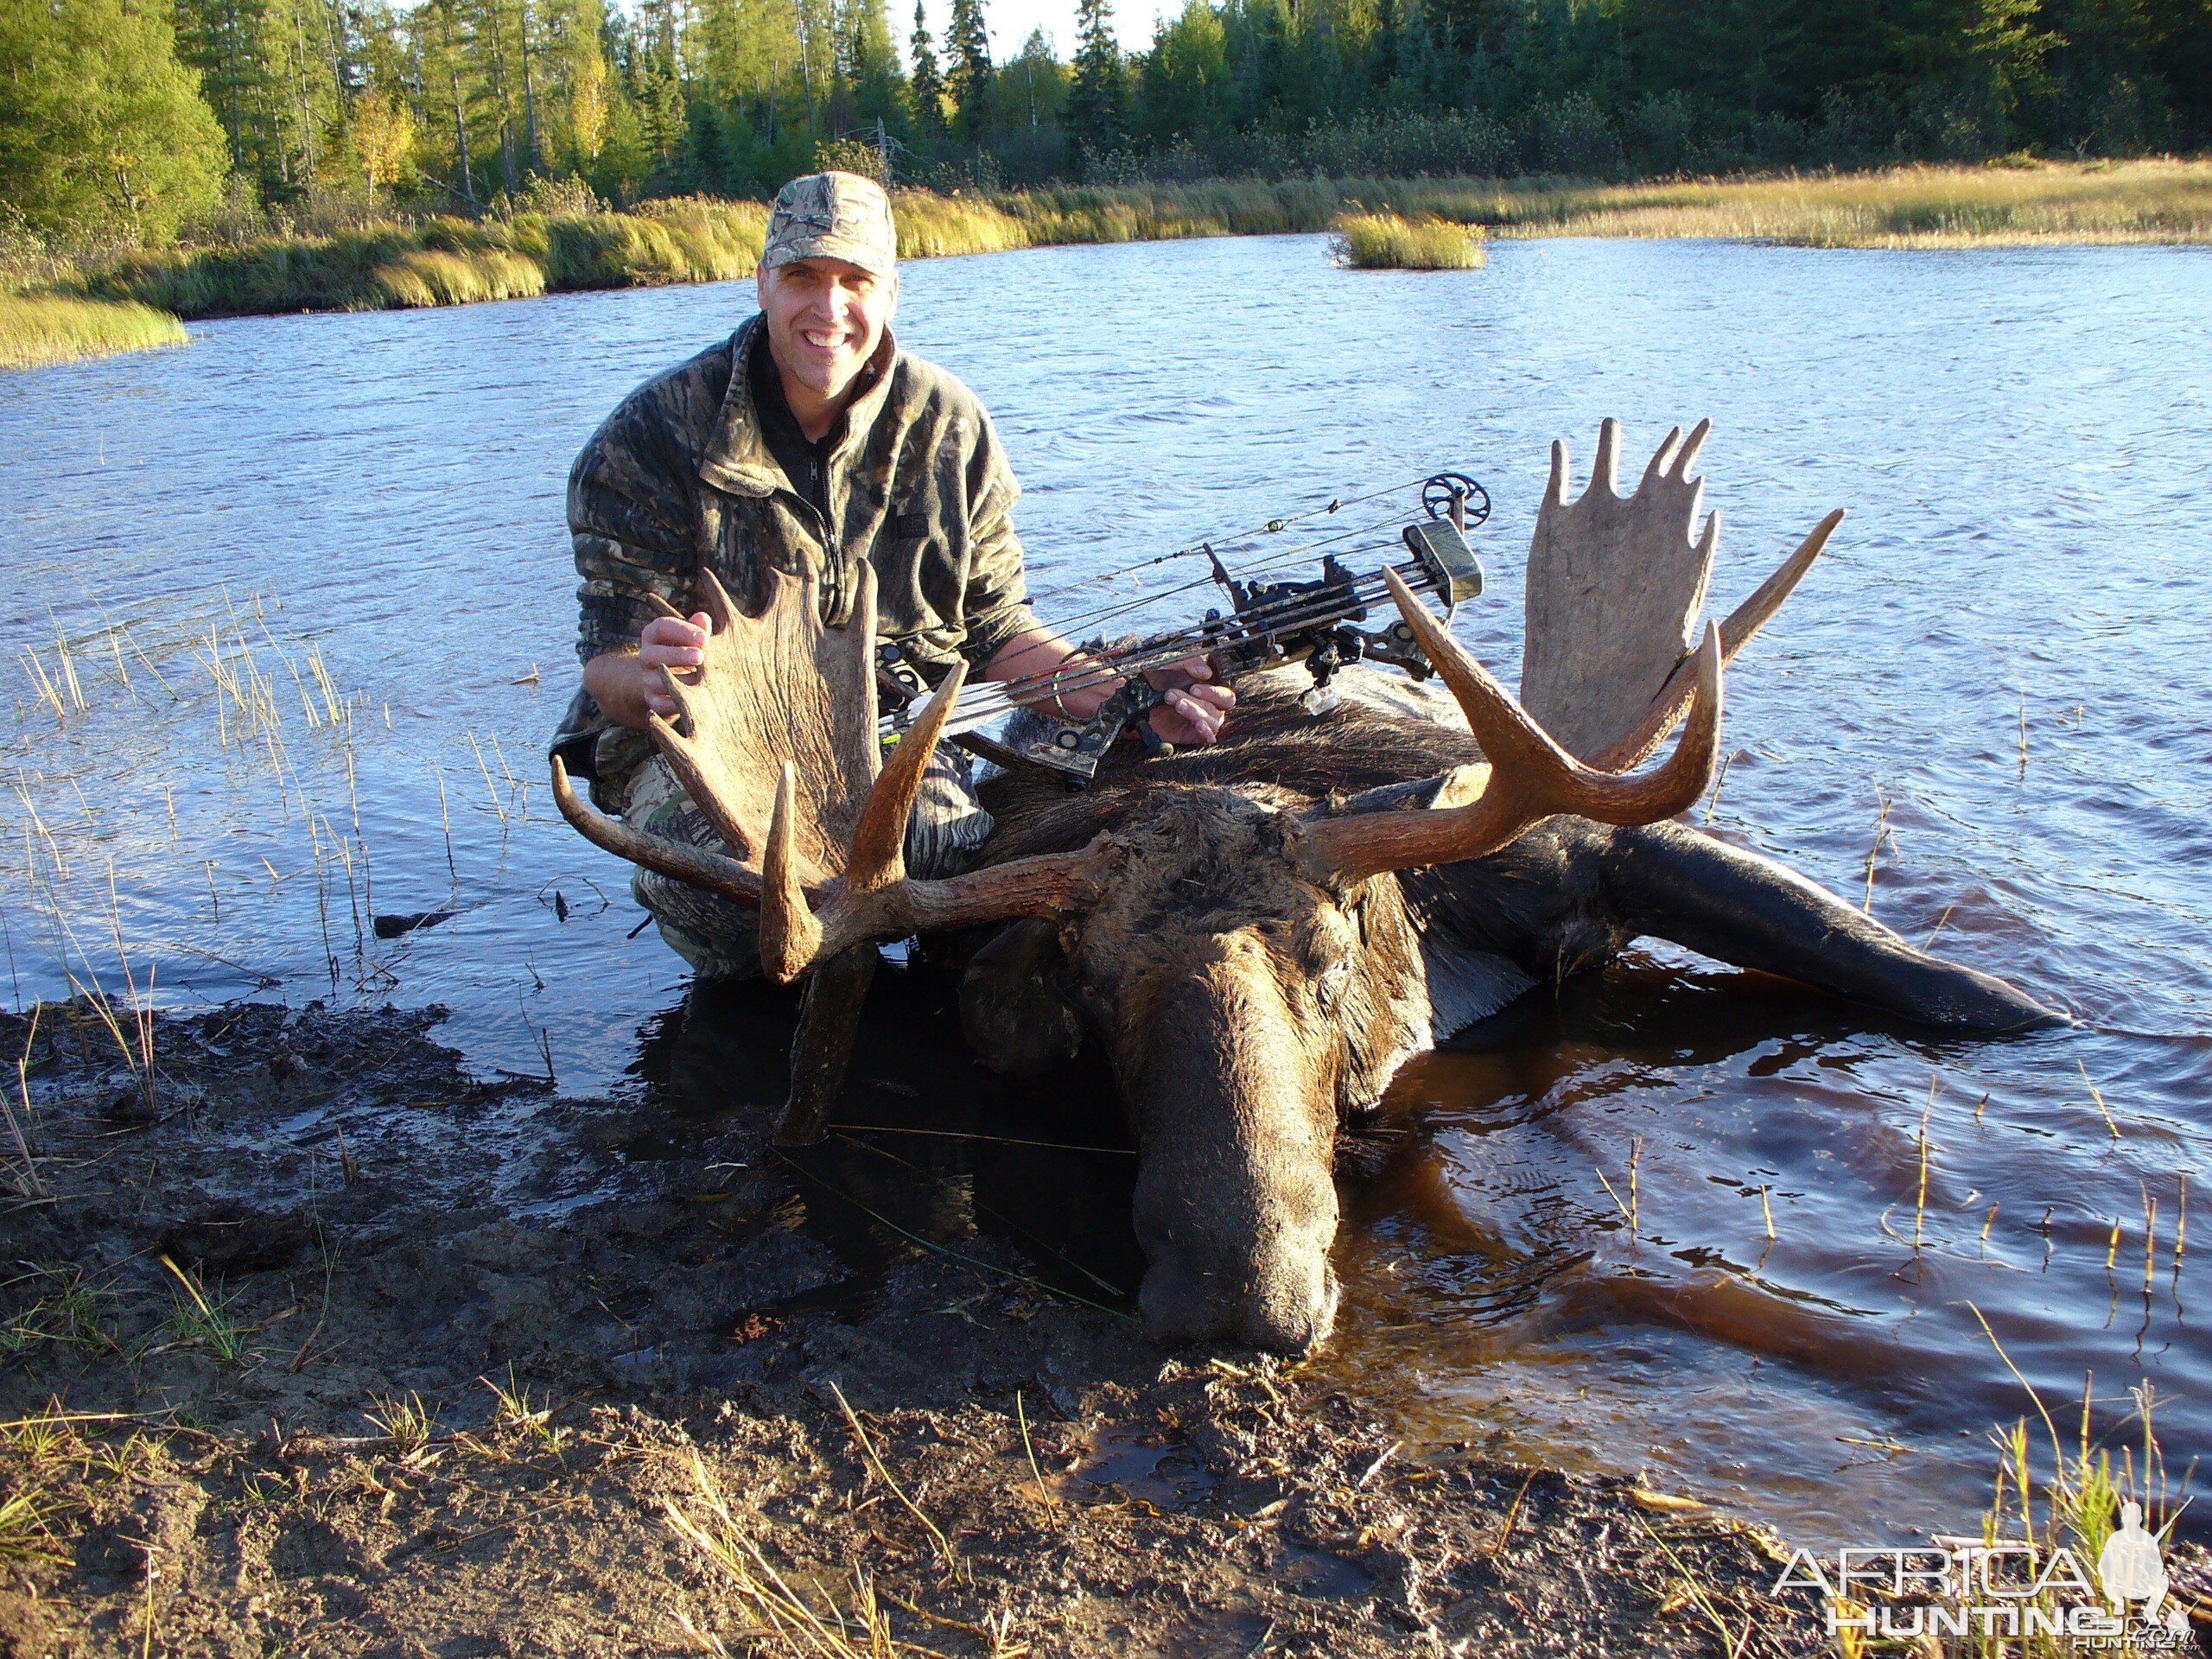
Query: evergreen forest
{"x": 132, "y": 120}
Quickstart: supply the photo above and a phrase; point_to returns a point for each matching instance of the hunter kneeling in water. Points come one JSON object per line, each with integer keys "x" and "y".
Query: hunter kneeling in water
{"x": 808, "y": 441}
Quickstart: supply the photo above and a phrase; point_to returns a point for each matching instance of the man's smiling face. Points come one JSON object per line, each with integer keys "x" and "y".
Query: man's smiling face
{"x": 825, "y": 318}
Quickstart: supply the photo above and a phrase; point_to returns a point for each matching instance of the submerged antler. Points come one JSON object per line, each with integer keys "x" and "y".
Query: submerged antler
{"x": 1614, "y": 588}
{"x": 1526, "y": 778}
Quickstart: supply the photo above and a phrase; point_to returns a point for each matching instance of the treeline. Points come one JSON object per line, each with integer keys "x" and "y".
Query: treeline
{"x": 135, "y": 119}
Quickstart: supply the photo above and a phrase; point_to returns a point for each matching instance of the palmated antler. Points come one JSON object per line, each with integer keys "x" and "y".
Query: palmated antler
{"x": 1614, "y": 585}
{"x": 807, "y": 916}
{"x": 774, "y": 690}
{"x": 1527, "y": 777}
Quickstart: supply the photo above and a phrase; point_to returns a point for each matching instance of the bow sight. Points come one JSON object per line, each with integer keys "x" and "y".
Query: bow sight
{"x": 1269, "y": 623}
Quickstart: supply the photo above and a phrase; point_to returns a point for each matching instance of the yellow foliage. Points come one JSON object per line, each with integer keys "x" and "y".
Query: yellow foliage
{"x": 383, "y": 131}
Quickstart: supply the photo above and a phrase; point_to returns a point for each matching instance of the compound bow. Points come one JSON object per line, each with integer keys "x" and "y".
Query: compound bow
{"x": 1270, "y": 623}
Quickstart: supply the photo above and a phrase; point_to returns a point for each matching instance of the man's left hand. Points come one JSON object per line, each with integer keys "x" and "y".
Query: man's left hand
{"x": 1195, "y": 708}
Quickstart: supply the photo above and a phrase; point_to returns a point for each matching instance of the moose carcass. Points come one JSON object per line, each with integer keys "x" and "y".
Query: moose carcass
{"x": 1260, "y": 933}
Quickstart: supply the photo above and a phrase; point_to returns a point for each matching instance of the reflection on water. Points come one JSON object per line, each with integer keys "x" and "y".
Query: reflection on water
{"x": 288, "y": 617}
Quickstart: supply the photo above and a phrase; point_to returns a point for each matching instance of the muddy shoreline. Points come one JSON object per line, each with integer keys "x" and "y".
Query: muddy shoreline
{"x": 324, "y": 1345}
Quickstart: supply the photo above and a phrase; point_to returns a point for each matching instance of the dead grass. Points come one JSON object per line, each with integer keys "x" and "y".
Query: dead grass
{"x": 2159, "y": 200}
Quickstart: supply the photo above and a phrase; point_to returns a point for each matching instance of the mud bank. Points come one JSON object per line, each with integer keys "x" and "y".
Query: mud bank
{"x": 324, "y": 1346}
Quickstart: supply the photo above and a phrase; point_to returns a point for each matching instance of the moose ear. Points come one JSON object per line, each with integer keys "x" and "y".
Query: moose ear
{"x": 1017, "y": 1021}
{"x": 1457, "y": 787}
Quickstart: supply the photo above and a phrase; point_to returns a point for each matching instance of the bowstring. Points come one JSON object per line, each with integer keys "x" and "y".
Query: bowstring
{"x": 1273, "y": 526}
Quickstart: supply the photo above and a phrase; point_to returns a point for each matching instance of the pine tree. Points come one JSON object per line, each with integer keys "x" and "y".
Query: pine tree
{"x": 1096, "y": 113}
{"x": 970, "y": 46}
{"x": 927, "y": 87}
{"x": 223, "y": 40}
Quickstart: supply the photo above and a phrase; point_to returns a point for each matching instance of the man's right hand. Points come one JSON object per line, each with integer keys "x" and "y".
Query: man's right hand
{"x": 627, "y": 685}
{"x": 668, "y": 642}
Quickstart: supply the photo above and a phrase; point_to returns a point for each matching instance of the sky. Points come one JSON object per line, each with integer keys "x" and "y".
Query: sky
{"x": 1010, "y": 22}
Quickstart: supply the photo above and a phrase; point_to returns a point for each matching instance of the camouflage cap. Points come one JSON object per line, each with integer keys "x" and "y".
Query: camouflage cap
{"x": 832, "y": 216}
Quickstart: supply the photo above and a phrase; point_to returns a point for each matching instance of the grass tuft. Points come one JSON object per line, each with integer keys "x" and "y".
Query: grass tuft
{"x": 23, "y": 1535}
{"x": 71, "y": 1314}
{"x": 1391, "y": 242}
{"x": 784, "y": 1614}
{"x": 518, "y": 1415}
{"x": 408, "y": 1424}
{"x": 205, "y": 1317}
{"x": 39, "y": 330}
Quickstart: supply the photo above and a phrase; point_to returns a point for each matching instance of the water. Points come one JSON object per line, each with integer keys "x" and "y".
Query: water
{"x": 2001, "y": 664}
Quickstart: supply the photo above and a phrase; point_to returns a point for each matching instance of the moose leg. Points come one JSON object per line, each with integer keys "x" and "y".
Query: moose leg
{"x": 1676, "y": 884}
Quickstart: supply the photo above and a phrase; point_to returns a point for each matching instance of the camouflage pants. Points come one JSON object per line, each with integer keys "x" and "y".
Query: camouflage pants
{"x": 720, "y": 938}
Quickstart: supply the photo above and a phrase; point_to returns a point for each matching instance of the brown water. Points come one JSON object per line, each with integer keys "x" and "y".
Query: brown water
{"x": 2007, "y": 645}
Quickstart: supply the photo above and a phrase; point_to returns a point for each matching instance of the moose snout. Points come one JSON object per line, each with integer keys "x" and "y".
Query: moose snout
{"x": 1235, "y": 1205}
{"x": 1286, "y": 1303}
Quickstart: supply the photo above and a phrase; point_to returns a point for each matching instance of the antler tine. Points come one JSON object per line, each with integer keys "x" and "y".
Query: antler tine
{"x": 1605, "y": 468}
{"x": 1691, "y": 445}
{"x": 700, "y": 869}
{"x": 879, "y": 839}
{"x": 790, "y": 937}
{"x": 1555, "y": 491}
{"x": 1742, "y": 623}
{"x": 715, "y": 601}
{"x": 1524, "y": 754}
{"x": 866, "y": 903}
{"x": 1656, "y": 467}
{"x": 1531, "y": 778}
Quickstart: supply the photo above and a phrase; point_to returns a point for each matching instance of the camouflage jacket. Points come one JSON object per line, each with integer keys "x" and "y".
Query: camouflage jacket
{"x": 680, "y": 475}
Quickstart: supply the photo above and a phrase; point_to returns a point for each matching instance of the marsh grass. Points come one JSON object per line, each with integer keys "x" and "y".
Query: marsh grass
{"x": 2158, "y": 200}
{"x": 19, "y": 1171}
{"x": 39, "y": 330}
{"x": 447, "y": 261}
{"x": 1391, "y": 242}
{"x": 2080, "y": 1500}
{"x": 443, "y": 261}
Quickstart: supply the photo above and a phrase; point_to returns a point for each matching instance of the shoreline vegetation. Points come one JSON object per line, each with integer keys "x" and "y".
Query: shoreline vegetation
{"x": 36, "y": 329}
{"x": 132, "y": 301}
